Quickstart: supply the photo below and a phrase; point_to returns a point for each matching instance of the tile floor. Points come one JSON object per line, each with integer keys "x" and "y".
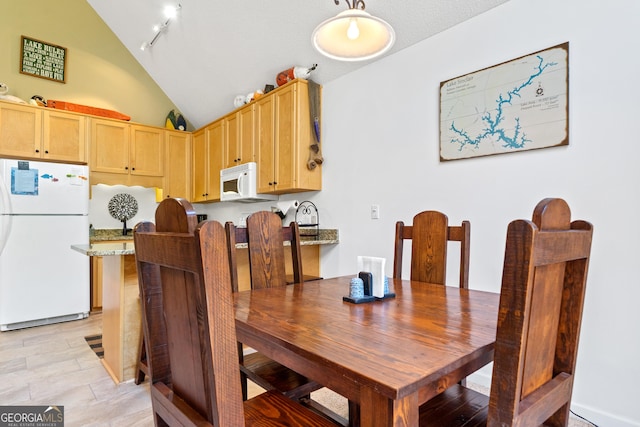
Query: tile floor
{"x": 53, "y": 365}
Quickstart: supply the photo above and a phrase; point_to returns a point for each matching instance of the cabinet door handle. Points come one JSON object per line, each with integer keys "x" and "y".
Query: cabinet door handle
{"x": 37, "y": 151}
{"x": 126, "y": 168}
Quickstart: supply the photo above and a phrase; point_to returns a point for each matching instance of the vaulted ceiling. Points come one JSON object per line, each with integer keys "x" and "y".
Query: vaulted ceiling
{"x": 214, "y": 50}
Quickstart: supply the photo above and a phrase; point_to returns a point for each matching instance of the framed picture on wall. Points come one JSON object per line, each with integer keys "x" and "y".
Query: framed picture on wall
{"x": 522, "y": 104}
{"x": 44, "y": 60}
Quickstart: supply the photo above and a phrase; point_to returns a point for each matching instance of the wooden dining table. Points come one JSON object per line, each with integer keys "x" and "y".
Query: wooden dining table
{"x": 387, "y": 356}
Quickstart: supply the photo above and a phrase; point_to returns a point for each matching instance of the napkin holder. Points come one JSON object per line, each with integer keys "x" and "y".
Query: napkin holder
{"x": 361, "y": 289}
{"x": 375, "y": 266}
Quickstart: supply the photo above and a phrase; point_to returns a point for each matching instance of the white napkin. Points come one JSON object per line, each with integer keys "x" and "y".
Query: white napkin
{"x": 375, "y": 266}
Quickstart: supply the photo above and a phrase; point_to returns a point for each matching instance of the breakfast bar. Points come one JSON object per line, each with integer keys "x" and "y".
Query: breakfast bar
{"x": 120, "y": 308}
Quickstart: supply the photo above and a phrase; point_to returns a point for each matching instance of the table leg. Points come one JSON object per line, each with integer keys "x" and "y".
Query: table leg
{"x": 354, "y": 414}
{"x": 378, "y": 410}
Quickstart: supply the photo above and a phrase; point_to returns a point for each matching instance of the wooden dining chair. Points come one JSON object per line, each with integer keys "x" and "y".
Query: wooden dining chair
{"x": 189, "y": 323}
{"x": 429, "y": 235}
{"x": 543, "y": 287}
{"x": 177, "y": 215}
{"x": 265, "y": 237}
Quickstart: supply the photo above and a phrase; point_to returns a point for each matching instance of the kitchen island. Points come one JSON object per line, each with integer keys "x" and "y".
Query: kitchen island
{"x": 114, "y": 278}
{"x": 120, "y": 307}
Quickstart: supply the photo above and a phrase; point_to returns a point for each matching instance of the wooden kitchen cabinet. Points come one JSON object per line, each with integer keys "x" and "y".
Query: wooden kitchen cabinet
{"x": 207, "y": 160}
{"x": 239, "y": 136}
{"x": 29, "y": 132}
{"x": 146, "y": 155}
{"x": 177, "y": 172}
{"x": 127, "y": 154}
{"x": 64, "y": 137}
{"x": 20, "y": 130}
{"x": 109, "y": 147}
{"x": 284, "y": 135}
{"x": 274, "y": 131}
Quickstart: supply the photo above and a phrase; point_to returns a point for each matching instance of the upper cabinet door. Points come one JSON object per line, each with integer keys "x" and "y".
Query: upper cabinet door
{"x": 286, "y": 138}
{"x": 147, "y": 151}
{"x": 265, "y": 140}
{"x": 199, "y": 166}
{"x": 239, "y": 137}
{"x": 246, "y": 143}
{"x": 214, "y": 159}
{"x": 64, "y": 137}
{"x": 177, "y": 176}
{"x": 109, "y": 146}
{"x": 20, "y": 130}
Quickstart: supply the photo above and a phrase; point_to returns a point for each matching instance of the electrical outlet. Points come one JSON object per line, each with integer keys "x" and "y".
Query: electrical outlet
{"x": 243, "y": 219}
{"x": 375, "y": 211}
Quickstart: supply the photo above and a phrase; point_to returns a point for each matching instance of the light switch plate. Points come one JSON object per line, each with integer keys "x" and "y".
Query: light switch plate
{"x": 375, "y": 211}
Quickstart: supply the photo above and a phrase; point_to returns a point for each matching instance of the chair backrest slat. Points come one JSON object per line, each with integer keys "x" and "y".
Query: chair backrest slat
{"x": 266, "y": 250}
{"x": 429, "y": 235}
{"x": 265, "y": 237}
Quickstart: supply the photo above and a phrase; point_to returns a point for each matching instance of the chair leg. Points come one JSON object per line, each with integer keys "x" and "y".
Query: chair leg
{"x": 245, "y": 392}
{"x": 159, "y": 422}
{"x": 142, "y": 369}
{"x": 324, "y": 412}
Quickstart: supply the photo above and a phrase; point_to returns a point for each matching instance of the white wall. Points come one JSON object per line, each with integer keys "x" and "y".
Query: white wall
{"x": 380, "y": 131}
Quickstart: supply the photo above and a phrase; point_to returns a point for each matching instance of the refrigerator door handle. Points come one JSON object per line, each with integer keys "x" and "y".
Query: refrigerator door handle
{"x": 5, "y": 217}
{"x": 5, "y": 231}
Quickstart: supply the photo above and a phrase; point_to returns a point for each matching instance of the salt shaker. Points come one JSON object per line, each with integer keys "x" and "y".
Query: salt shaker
{"x": 356, "y": 288}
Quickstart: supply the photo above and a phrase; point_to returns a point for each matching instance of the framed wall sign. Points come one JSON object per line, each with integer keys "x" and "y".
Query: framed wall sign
{"x": 518, "y": 105}
{"x": 44, "y": 60}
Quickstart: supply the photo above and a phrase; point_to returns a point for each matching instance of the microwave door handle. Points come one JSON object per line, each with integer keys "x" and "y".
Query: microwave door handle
{"x": 239, "y": 183}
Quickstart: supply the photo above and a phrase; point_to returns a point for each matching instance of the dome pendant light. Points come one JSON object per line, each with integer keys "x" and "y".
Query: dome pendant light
{"x": 353, "y": 35}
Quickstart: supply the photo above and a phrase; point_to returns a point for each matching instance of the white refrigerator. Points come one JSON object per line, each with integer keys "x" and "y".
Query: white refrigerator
{"x": 43, "y": 211}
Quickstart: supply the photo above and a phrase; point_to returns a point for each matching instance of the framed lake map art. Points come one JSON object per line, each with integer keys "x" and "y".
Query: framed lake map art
{"x": 44, "y": 60}
{"x": 522, "y": 104}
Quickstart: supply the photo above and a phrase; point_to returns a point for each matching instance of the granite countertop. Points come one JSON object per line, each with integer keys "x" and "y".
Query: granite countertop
{"x": 105, "y": 248}
{"x": 108, "y": 234}
{"x": 103, "y": 242}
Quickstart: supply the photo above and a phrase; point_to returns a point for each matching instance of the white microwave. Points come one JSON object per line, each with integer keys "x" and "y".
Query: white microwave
{"x": 240, "y": 183}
